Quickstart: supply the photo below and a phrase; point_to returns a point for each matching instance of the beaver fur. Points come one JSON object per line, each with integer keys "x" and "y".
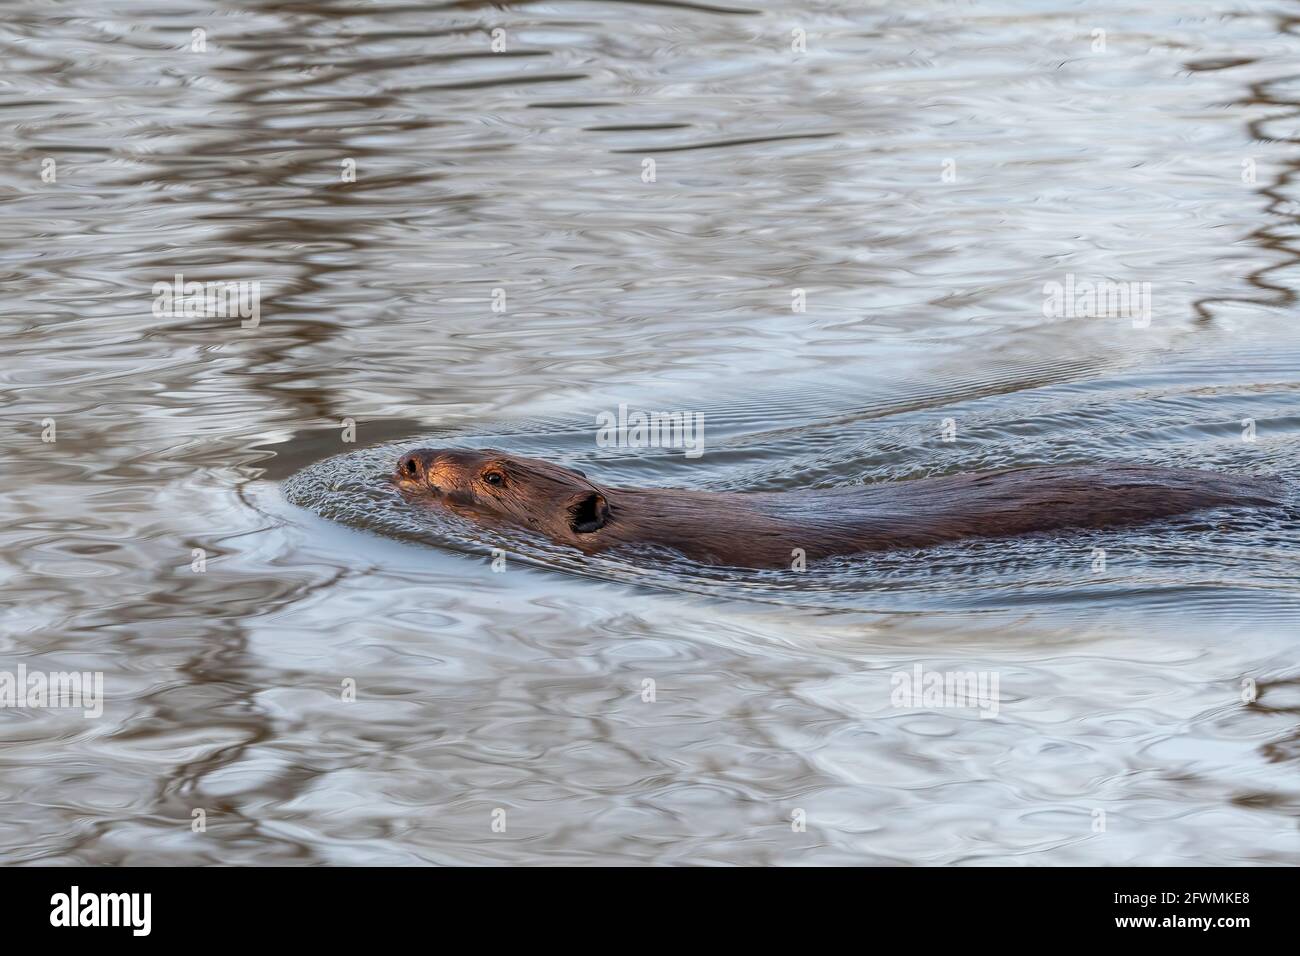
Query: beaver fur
{"x": 767, "y": 529}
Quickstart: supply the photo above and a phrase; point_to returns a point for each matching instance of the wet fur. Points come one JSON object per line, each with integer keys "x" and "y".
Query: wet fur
{"x": 762, "y": 529}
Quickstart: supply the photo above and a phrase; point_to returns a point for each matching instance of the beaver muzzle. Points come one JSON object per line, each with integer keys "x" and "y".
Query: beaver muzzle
{"x": 411, "y": 470}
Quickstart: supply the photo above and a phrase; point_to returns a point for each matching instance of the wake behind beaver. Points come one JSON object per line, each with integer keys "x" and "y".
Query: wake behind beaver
{"x": 770, "y": 529}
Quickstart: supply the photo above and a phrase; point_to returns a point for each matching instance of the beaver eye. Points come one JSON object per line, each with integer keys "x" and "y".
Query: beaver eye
{"x": 493, "y": 477}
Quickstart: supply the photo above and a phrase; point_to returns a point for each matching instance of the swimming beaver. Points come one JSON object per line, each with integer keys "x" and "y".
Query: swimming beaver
{"x": 762, "y": 529}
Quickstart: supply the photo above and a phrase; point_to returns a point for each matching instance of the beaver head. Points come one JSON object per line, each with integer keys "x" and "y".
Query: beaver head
{"x": 558, "y": 502}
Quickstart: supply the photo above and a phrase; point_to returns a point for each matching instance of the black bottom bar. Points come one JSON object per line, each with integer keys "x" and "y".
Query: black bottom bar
{"x": 332, "y": 906}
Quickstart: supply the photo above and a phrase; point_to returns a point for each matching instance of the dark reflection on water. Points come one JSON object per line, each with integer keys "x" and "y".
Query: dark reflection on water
{"x": 1146, "y": 712}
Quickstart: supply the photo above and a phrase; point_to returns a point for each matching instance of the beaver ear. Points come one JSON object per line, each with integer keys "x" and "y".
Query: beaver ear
{"x": 588, "y": 512}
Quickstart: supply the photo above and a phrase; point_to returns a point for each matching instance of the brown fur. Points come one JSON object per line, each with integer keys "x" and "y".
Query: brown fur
{"x": 762, "y": 529}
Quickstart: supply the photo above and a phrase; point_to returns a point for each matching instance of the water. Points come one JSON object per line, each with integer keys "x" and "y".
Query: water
{"x": 919, "y": 172}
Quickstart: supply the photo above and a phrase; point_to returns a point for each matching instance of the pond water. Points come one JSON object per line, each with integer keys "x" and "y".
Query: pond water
{"x": 831, "y": 231}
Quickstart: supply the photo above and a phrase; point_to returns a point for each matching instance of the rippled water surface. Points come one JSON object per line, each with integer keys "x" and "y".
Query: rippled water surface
{"x": 505, "y": 265}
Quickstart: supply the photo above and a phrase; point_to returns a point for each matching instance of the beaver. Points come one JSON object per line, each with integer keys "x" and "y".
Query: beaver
{"x": 763, "y": 529}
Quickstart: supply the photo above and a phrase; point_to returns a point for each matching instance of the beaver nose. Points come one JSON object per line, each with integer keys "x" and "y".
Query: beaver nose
{"x": 409, "y": 466}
